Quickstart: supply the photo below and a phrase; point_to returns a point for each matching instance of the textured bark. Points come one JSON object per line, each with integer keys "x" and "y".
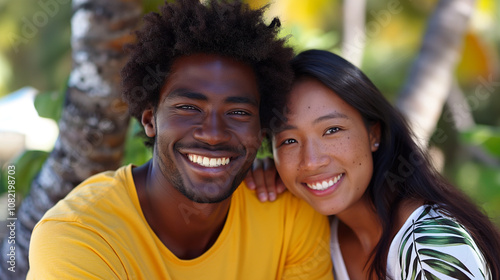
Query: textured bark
{"x": 431, "y": 75}
{"x": 94, "y": 120}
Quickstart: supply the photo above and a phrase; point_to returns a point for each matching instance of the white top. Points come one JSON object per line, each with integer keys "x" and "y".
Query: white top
{"x": 428, "y": 243}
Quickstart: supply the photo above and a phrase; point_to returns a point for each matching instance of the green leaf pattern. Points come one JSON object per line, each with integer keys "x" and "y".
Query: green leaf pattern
{"x": 435, "y": 246}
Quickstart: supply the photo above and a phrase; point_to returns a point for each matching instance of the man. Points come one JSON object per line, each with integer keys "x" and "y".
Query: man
{"x": 196, "y": 80}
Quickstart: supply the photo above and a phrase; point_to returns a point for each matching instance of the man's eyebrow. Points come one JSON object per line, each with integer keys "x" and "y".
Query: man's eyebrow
{"x": 199, "y": 96}
{"x": 241, "y": 99}
{"x": 186, "y": 93}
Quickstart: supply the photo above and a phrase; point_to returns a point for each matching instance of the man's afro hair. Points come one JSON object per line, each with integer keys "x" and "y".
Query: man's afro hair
{"x": 226, "y": 28}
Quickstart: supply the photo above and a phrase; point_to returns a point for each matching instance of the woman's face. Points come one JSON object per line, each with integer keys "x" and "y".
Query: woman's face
{"x": 323, "y": 152}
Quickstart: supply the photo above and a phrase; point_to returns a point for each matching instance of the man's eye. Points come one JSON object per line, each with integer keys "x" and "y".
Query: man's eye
{"x": 239, "y": 113}
{"x": 332, "y": 130}
{"x": 186, "y": 107}
{"x": 289, "y": 141}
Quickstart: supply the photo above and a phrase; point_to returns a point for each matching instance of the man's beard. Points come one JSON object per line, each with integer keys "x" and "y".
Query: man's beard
{"x": 211, "y": 191}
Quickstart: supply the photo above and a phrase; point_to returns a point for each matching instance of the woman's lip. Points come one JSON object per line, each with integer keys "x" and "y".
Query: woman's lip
{"x": 324, "y": 186}
{"x": 313, "y": 180}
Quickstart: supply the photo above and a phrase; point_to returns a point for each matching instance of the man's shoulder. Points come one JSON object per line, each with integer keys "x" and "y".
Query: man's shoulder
{"x": 286, "y": 198}
{"x": 286, "y": 204}
{"x": 92, "y": 192}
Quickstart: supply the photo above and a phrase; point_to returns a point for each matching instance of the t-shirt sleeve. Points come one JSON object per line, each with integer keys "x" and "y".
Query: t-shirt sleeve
{"x": 309, "y": 254}
{"x": 69, "y": 250}
{"x": 440, "y": 248}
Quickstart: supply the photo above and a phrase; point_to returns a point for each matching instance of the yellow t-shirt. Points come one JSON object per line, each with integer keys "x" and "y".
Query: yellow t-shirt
{"x": 99, "y": 232}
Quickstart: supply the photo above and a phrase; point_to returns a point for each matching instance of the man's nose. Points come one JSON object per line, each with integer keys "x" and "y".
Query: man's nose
{"x": 213, "y": 130}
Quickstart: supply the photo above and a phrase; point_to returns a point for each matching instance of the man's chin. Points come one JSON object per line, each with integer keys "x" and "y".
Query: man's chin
{"x": 210, "y": 192}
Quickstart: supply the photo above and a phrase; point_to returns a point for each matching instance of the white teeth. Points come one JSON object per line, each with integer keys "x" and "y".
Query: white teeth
{"x": 208, "y": 162}
{"x": 321, "y": 186}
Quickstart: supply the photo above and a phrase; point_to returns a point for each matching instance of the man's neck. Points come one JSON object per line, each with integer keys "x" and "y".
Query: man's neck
{"x": 188, "y": 229}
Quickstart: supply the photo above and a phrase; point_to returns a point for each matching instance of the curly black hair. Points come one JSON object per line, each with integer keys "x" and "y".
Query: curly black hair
{"x": 227, "y": 28}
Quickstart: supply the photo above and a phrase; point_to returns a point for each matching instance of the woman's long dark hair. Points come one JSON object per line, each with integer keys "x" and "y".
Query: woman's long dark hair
{"x": 401, "y": 169}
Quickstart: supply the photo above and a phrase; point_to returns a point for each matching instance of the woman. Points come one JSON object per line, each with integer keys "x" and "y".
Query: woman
{"x": 339, "y": 145}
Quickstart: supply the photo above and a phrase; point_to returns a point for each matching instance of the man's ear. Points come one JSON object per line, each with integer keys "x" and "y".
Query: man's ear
{"x": 374, "y": 135}
{"x": 148, "y": 121}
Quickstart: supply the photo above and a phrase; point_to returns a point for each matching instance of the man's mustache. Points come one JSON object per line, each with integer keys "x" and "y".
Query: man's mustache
{"x": 225, "y": 148}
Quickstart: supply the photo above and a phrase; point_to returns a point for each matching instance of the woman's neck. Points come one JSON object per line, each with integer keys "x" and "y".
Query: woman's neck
{"x": 363, "y": 221}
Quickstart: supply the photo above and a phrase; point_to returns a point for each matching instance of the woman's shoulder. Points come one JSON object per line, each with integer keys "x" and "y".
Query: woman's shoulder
{"x": 432, "y": 242}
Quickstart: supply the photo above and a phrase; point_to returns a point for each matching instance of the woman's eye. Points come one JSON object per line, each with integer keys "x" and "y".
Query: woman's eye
{"x": 332, "y": 130}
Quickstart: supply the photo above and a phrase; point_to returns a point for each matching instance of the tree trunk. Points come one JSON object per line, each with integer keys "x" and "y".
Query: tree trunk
{"x": 353, "y": 31}
{"x": 431, "y": 75}
{"x": 94, "y": 121}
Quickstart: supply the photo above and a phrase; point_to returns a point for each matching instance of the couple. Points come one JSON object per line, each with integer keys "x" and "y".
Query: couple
{"x": 182, "y": 215}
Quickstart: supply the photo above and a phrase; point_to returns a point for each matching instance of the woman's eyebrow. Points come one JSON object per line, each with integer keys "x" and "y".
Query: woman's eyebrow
{"x": 334, "y": 115}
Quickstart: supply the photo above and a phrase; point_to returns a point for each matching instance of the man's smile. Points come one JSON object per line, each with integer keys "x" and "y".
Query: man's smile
{"x": 208, "y": 161}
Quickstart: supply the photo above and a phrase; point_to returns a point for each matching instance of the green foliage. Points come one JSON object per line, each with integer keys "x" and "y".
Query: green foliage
{"x": 49, "y": 104}
{"x": 152, "y": 5}
{"x": 487, "y": 137}
{"x": 135, "y": 150}
{"x": 482, "y": 183}
{"x": 27, "y": 166}
{"x": 36, "y": 42}
{"x": 265, "y": 150}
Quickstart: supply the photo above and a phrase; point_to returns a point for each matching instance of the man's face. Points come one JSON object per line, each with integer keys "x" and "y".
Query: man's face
{"x": 206, "y": 126}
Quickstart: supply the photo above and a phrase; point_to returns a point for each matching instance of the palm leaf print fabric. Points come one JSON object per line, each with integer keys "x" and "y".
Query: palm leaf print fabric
{"x": 434, "y": 246}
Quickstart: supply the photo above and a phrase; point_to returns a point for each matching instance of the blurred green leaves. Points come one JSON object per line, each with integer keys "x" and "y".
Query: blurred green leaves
{"x": 135, "y": 150}
{"x": 49, "y": 104}
{"x": 27, "y": 165}
{"x": 487, "y": 137}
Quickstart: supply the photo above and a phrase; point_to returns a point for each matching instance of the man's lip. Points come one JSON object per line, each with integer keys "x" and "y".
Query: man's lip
{"x": 212, "y": 162}
{"x": 209, "y": 154}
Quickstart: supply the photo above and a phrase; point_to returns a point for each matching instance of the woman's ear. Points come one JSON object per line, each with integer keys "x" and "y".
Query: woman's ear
{"x": 374, "y": 135}
{"x": 148, "y": 121}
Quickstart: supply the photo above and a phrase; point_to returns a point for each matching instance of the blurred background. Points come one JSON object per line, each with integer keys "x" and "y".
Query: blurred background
{"x": 35, "y": 66}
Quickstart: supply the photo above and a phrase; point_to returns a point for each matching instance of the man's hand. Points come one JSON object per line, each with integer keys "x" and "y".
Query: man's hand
{"x": 265, "y": 180}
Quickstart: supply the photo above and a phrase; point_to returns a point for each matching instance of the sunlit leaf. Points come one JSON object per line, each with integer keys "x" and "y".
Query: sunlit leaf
{"x": 49, "y": 104}
{"x": 477, "y": 59}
